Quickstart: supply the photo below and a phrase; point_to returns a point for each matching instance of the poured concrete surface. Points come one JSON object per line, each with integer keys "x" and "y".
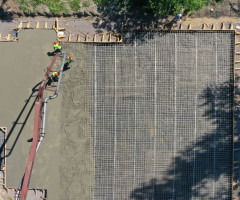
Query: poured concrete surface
{"x": 22, "y": 67}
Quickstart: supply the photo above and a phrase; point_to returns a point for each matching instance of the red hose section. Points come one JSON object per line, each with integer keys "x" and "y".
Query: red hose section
{"x": 45, "y": 80}
{"x": 37, "y": 126}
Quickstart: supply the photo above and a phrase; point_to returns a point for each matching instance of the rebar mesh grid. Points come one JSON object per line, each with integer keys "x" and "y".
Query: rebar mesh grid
{"x": 161, "y": 115}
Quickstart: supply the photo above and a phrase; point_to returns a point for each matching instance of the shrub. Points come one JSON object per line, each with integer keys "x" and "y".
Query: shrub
{"x": 160, "y": 7}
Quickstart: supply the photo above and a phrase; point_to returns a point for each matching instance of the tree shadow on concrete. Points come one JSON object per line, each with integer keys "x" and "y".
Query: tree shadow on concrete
{"x": 218, "y": 101}
{"x": 22, "y": 123}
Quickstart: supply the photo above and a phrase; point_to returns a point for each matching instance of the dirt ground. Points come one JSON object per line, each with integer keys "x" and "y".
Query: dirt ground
{"x": 22, "y": 68}
{"x": 76, "y": 160}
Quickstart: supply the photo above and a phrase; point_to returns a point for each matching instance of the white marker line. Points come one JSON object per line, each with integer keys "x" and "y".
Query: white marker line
{"x": 95, "y": 106}
{"x": 135, "y": 113}
{"x": 215, "y": 117}
{"x": 195, "y": 123}
{"x": 115, "y": 126}
{"x": 155, "y": 114}
{"x": 175, "y": 120}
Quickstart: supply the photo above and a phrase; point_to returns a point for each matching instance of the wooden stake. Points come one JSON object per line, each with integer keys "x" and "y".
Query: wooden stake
{"x": 103, "y": 37}
{"x": 231, "y": 26}
{"x": 8, "y": 37}
{"x": 78, "y": 38}
{"x": 223, "y": 26}
{"x": 189, "y": 26}
{"x": 37, "y": 25}
{"x": 181, "y": 26}
{"x": 45, "y": 25}
{"x": 20, "y": 26}
{"x": 69, "y": 37}
{"x": 94, "y": 38}
{"x": 110, "y": 37}
{"x": 86, "y": 38}
{"x": 204, "y": 26}
{"x": 28, "y": 24}
{"x": 213, "y": 27}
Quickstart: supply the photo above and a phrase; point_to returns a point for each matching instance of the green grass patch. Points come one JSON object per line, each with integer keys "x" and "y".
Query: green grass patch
{"x": 24, "y": 6}
{"x": 74, "y": 5}
{"x": 55, "y": 6}
{"x": 86, "y": 4}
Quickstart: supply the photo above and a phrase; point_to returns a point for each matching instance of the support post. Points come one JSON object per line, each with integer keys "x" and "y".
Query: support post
{"x": 70, "y": 37}
{"x": 95, "y": 38}
{"x": 110, "y": 37}
{"x": 28, "y": 24}
{"x": 223, "y": 26}
{"x": 78, "y": 38}
{"x": 37, "y": 25}
{"x": 45, "y": 25}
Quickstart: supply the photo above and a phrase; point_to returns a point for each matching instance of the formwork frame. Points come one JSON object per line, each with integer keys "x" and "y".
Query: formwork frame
{"x": 3, "y": 169}
{"x": 10, "y": 192}
{"x": 236, "y": 121}
{"x": 236, "y": 69}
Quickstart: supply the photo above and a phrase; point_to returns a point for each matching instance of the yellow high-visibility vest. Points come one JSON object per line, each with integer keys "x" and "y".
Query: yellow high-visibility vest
{"x": 57, "y": 46}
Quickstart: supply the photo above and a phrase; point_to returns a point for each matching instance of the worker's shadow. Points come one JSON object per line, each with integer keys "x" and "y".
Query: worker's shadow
{"x": 21, "y": 121}
{"x": 51, "y": 53}
{"x": 56, "y": 51}
{"x": 66, "y": 67}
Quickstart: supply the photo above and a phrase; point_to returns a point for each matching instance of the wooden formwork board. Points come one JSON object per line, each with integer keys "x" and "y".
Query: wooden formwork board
{"x": 3, "y": 169}
{"x": 236, "y": 59}
{"x": 8, "y": 192}
{"x": 109, "y": 37}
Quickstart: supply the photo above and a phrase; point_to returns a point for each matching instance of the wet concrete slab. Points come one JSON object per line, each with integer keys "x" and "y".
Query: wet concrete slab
{"x": 22, "y": 68}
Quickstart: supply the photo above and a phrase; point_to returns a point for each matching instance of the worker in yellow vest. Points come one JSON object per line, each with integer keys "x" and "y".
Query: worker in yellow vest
{"x": 55, "y": 74}
{"x": 57, "y": 47}
{"x": 66, "y": 65}
{"x": 52, "y": 78}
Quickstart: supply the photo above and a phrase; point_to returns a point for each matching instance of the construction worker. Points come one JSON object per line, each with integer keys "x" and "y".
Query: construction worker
{"x": 66, "y": 65}
{"x": 178, "y": 17}
{"x": 52, "y": 78}
{"x": 57, "y": 47}
{"x": 69, "y": 60}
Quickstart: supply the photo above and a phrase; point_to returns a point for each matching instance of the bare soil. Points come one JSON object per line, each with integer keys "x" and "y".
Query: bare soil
{"x": 76, "y": 160}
